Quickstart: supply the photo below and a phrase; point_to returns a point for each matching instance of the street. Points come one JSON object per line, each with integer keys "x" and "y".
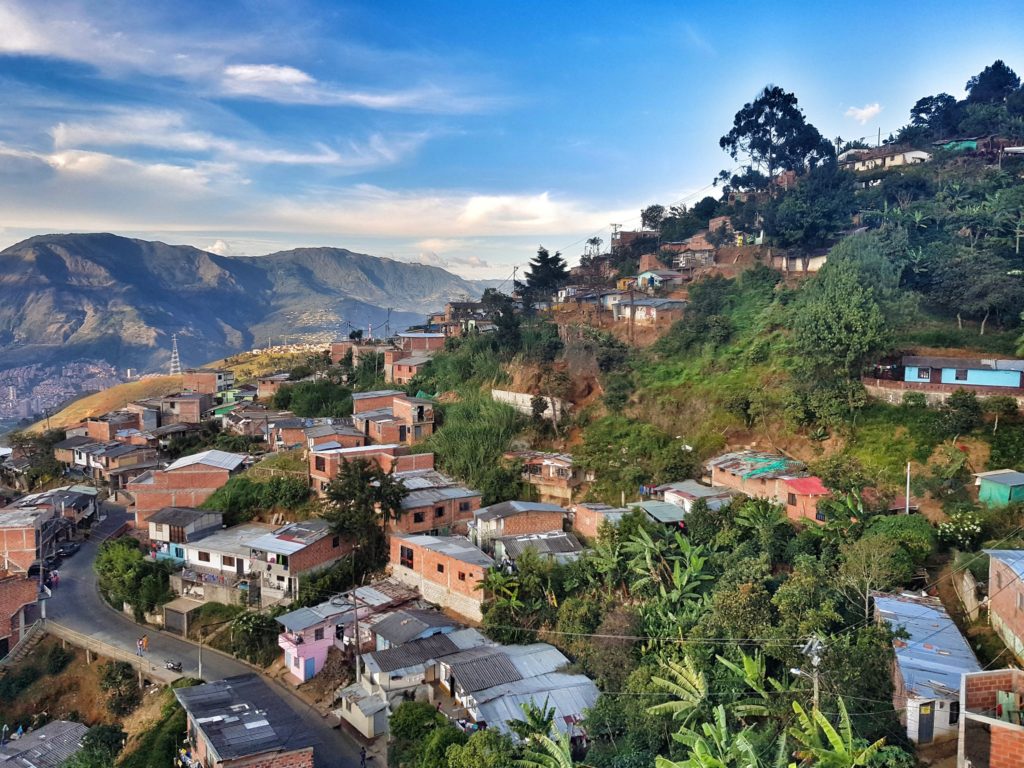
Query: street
{"x": 77, "y": 605}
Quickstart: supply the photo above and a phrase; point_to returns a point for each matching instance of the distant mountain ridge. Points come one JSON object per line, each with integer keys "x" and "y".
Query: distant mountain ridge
{"x": 119, "y": 299}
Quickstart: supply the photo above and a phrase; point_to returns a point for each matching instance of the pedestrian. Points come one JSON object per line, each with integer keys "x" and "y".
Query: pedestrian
{"x": 439, "y": 705}
{"x": 362, "y": 757}
{"x": 138, "y": 647}
{"x": 55, "y": 576}
{"x": 145, "y": 643}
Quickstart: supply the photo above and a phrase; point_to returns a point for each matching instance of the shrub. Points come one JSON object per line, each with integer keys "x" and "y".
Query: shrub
{"x": 962, "y": 530}
{"x": 57, "y": 659}
{"x": 119, "y": 681}
{"x": 915, "y": 400}
{"x": 18, "y": 680}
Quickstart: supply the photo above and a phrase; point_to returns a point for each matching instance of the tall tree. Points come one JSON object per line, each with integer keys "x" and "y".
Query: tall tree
{"x": 652, "y": 216}
{"x": 547, "y": 273}
{"x": 993, "y": 84}
{"x": 769, "y": 135}
{"x": 361, "y": 500}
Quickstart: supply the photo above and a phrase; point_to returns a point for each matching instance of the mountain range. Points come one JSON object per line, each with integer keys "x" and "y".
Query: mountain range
{"x": 101, "y": 296}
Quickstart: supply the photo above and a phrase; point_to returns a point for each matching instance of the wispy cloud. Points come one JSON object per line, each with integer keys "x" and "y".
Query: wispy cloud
{"x": 110, "y": 44}
{"x": 865, "y": 114}
{"x": 695, "y": 40}
{"x": 170, "y": 130}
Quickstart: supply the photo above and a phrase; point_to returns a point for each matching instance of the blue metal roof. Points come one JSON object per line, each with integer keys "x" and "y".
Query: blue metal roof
{"x": 935, "y": 655}
{"x": 1014, "y": 558}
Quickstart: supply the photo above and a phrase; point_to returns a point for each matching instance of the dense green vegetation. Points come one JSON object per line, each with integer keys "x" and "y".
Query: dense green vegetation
{"x": 125, "y": 576}
{"x": 241, "y": 497}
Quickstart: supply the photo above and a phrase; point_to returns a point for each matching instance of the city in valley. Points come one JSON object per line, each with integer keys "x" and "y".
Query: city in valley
{"x": 468, "y": 386}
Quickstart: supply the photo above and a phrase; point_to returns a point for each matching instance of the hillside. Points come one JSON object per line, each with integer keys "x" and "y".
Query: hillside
{"x": 117, "y": 299}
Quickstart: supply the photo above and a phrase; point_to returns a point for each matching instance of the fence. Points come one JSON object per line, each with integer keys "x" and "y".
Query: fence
{"x": 144, "y": 666}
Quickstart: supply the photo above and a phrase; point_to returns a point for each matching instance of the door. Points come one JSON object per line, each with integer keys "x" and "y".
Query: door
{"x": 310, "y": 668}
{"x": 925, "y": 722}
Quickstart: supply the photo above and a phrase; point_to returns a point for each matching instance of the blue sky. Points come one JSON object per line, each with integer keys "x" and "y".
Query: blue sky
{"x": 450, "y": 133}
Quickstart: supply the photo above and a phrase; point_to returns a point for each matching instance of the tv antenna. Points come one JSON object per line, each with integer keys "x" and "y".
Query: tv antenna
{"x": 175, "y": 358}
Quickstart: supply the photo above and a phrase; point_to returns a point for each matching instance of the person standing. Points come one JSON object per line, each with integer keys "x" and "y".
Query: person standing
{"x": 145, "y": 643}
{"x": 362, "y": 757}
{"x": 55, "y": 577}
{"x": 138, "y": 647}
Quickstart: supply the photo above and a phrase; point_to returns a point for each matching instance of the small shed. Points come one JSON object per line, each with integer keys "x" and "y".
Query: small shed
{"x": 1000, "y": 487}
{"x": 662, "y": 512}
{"x": 178, "y": 615}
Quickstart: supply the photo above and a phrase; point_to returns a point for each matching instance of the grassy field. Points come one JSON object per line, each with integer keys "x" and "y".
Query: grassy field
{"x": 110, "y": 399}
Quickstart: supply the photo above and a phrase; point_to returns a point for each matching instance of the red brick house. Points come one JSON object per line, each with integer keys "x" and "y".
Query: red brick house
{"x": 267, "y": 386}
{"x": 239, "y": 722}
{"x": 207, "y": 381}
{"x": 587, "y": 518}
{"x": 18, "y": 596}
{"x": 184, "y": 408}
{"x": 334, "y": 436}
{"x": 188, "y": 482}
{"x": 435, "y": 504}
{"x": 510, "y": 518}
{"x": 105, "y": 428}
{"x": 325, "y": 461}
{"x": 445, "y": 569}
{"x": 392, "y": 417}
{"x": 991, "y": 729}
{"x": 1006, "y": 597}
{"x": 285, "y": 556}
{"x": 26, "y": 535}
{"x": 771, "y": 476}
{"x": 553, "y": 475}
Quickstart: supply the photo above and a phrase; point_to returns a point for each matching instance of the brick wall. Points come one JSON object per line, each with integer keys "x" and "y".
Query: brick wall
{"x": 453, "y": 518}
{"x": 288, "y": 436}
{"x": 531, "y": 522}
{"x": 980, "y": 690}
{"x": 806, "y": 507}
{"x": 453, "y": 586}
{"x": 204, "y": 382}
{"x": 339, "y": 349}
{"x": 345, "y": 441}
{"x": 16, "y": 592}
{"x": 18, "y": 546}
{"x": 319, "y": 554}
{"x": 1007, "y": 747}
{"x": 363, "y": 404}
{"x": 185, "y": 487}
{"x": 586, "y": 521}
{"x": 299, "y": 759}
{"x": 419, "y": 344}
{"x": 1004, "y": 589}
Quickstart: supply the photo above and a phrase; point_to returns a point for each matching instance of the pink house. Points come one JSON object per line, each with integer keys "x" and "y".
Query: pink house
{"x": 310, "y": 632}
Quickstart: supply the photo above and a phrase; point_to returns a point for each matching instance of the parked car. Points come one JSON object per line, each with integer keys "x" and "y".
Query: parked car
{"x": 68, "y": 548}
{"x": 51, "y": 561}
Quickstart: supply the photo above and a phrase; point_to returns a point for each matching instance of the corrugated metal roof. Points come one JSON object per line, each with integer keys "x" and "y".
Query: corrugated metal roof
{"x": 757, "y": 464}
{"x": 376, "y": 393}
{"x": 212, "y": 458}
{"x": 809, "y": 486}
{"x": 693, "y": 489}
{"x": 406, "y": 625}
{"x": 935, "y": 654}
{"x": 570, "y": 695}
{"x": 486, "y": 671}
{"x": 411, "y": 654}
{"x": 241, "y": 716}
{"x": 49, "y": 746}
{"x": 661, "y": 511}
{"x": 1013, "y": 558}
{"x": 1005, "y": 477}
{"x": 180, "y": 517}
{"x": 456, "y": 547}
{"x": 970, "y": 363}
{"x": 512, "y": 508}
{"x": 428, "y": 496}
{"x": 553, "y": 543}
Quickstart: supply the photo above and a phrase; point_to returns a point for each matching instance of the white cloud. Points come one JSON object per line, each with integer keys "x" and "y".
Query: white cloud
{"x": 865, "y": 114}
{"x": 695, "y": 40}
{"x": 169, "y": 130}
{"x": 105, "y": 40}
{"x": 223, "y": 248}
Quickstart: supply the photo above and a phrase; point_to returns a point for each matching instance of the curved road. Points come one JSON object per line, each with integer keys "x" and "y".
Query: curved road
{"x": 77, "y": 605}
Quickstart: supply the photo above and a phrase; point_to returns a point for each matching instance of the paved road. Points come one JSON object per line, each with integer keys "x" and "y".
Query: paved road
{"x": 77, "y": 605}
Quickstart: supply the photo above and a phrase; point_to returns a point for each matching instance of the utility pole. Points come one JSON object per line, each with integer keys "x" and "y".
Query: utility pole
{"x": 879, "y": 137}
{"x": 387, "y": 325}
{"x": 632, "y": 315}
{"x": 906, "y": 501}
{"x": 813, "y": 650}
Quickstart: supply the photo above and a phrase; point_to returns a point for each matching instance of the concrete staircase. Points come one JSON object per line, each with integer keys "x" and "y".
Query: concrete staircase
{"x": 24, "y": 647}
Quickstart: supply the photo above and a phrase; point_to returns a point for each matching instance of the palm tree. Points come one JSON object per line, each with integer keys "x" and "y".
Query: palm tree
{"x": 821, "y": 745}
{"x": 714, "y": 746}
{"x": 686, "y": 684}
{"x": 537, "y": 721}
{"x": 765, "y": 520}
{"x": 545, "y": 752}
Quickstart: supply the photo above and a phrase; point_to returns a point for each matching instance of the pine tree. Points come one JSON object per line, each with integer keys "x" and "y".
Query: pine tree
{"x": 547, "y": 273}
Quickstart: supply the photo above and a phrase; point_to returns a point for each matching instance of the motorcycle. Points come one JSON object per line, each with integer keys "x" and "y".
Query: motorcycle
{"x": 174, "y": 666}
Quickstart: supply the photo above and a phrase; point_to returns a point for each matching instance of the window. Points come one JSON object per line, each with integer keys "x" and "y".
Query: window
{"x": 961, "y": 374}
{"x": 417, "y": 517}
{"x": 791, "y": 499}
{"x": 440, "y": 567}
{"x": 819, "y": 516}
{"x": 405, "y": 558}
{"x": 954, "y": 712}
{"x": 464, "y": 506}
{"x": 336, "y": 542}
{"x": 321, "y": 464}
{"x": 438, "y": 511}
{"x": 318, "y": 633}
{"x": 203, "y": 557}
{"x": 462, "y": 576}
{"x": 1020, "y": 601}
{"x": 228, "y": 561}
{"x": 161, "y": 528}
{"x": 924, "y": 373}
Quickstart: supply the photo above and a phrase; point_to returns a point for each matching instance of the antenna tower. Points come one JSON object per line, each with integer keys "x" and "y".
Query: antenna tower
{"x": 175, "y": 359}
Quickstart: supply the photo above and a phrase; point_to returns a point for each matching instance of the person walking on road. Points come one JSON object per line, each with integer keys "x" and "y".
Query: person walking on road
{"x": 55, "y": 577}
{"x": 362, "y": 757}
{"x": 138, "y": 647}
{"x": 145, "y": 643}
